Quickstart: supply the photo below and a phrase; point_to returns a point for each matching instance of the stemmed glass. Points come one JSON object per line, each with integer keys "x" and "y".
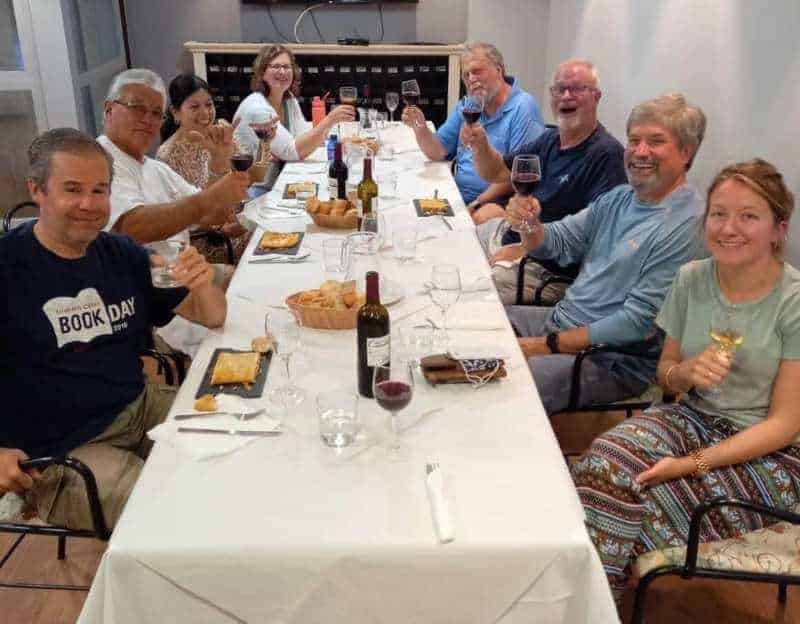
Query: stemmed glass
{"x": 285, "y": 333}
{"x": 393, "y": 387}
{"x": 392, "y": 102}
{"x": 525, "y": 175}
{"x": 445, "y": 292}
{"x": 472, "y": 108}
{"x": 242, "y": 157}
{"x": 727, "y": 335}
{"x": 410, "y": 91}
{"x": 260, "y": 125}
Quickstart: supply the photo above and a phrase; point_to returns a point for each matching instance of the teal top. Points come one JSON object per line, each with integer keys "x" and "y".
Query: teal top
{"x": 771, "y": 334}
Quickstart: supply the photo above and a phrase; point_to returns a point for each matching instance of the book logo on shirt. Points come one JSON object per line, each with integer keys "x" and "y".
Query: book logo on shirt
{"x": 85, "y": 317}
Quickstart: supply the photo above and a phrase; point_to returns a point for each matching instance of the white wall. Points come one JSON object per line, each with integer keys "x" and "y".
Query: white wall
{"x": 737, "y": 59}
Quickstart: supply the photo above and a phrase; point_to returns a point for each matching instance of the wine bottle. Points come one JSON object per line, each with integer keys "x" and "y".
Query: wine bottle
{"x": 367, "y": 194}
{"x": 337, "y": 175}
{"x": 372, "y": 329}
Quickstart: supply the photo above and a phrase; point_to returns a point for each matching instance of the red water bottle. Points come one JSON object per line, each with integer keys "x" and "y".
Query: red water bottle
{"x": 317, "y": 110}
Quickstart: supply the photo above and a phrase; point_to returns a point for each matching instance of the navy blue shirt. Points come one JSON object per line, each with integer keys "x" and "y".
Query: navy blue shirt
{"x": 72, "y": 333}
{"x": 571, "y": 178}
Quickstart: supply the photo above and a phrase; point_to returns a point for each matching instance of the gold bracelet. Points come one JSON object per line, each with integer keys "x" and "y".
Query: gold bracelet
{"x": 666, "y": 377}
{"x": 701, "y": 465}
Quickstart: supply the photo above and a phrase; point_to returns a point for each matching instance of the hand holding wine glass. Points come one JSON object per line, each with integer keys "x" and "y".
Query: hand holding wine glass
{"x": 727, "y": 335}
{"x": 265, "y": 126}
{"x": 411, "y": 92}
{"x": 525, "y": 175}
{"x": 393, "y": 387}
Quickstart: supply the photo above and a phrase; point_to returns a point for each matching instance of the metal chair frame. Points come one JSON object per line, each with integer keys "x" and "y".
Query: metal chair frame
{"x": 100, "y": 529}
{"x": 8, "y": 217}
{"x": 690, "y": 570}
{"x": 537, "y": 295}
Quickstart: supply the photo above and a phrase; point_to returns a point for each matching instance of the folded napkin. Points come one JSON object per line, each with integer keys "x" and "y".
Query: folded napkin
{"x": 479, "y": 284}
{"x": 440, "y": 512}
{"x": 475, "y": 316}
{"x": 200, "y": 446}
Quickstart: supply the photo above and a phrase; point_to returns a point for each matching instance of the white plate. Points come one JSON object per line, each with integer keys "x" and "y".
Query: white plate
{"x": 391, "y": 291}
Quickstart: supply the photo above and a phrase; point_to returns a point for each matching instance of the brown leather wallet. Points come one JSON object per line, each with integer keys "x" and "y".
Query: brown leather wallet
{"x": 442, "y": 368}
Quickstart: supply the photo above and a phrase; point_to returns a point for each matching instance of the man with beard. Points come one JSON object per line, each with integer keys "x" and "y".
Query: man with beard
{"x": 580, "y": 161}
{"x": 511, "y": 118}
{"x": 630, "y": 243}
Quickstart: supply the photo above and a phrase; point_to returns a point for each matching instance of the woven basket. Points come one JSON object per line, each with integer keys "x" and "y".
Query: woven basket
{"x": 322, "y": 318}
{"x": 335, "y": 223}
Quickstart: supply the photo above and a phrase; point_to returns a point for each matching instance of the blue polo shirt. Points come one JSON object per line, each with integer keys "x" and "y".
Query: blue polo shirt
{"x": 517, "y": 122}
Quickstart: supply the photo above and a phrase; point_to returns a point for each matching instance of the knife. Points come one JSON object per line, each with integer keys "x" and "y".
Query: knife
{"x": 242, "y": 432}
{"x": 198, "y": 414}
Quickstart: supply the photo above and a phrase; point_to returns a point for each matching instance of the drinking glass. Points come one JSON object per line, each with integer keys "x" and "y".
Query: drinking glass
{"x": 242, "y": 157}
{"x": 393, "y": 387}
{"x": 392, "y": 102}
{"x": 417, "y": 342}
{"x": 727, "y": 335}
{"x": 387, "y": 185}
{"x": 262, "y": 131}
{"x": 335, "y": 258}
{"x": 286, "y": 342}
{"x": 348, "y": 95}
{"x": 163, "y": 256}
{"x": 404, "y": 241}
{"x": 445, "y": 292}
{"x": 472, "y": 108}
{"x": 525, "y": 175}
{"x": 337, "y": 411}
{"x": 410, "y": 91}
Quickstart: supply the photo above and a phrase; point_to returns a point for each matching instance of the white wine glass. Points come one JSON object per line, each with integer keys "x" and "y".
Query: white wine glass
{"x": 286, "y": 342}
{"x": 392, "y": 102}
{"x": 526, "y": 171}
{"x": 726, "y": 331}
{"x": 445, "y": 292}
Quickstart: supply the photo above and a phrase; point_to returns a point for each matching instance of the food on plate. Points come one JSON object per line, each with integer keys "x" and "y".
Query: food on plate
{"x": 261, "y": 344}
{"x": 236, "y": 368}
{"x": 433, "y": 206}
{"x": 206, "y": 403}
{"x": 332, "y": 294}
{"x": 294, "y": 187}
{"x": 279, "y": 240}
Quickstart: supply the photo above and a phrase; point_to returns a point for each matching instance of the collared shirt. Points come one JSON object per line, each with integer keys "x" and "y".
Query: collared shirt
{"x": 517, "y": 122}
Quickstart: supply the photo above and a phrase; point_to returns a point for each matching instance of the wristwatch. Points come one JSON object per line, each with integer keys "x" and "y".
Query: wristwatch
{"x": 552, "y": 342}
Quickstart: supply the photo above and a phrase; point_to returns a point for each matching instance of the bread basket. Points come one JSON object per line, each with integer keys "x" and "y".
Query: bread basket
{"x": 327, "y": 220}
{"x": 322, "y": 318}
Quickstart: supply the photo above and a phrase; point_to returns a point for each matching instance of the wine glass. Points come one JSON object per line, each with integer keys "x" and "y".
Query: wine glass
{"x": 242, "y": 157}
{"x": 727, "y": 335}
{"x": 393, "y": 387}
{"x": 392, "y": 102}
{"x": 348, "y": 95}
{"x": 260, "y": 127}
{"x": 525, "y": 175}
{"x": 445, "y": 292}
{"x": 286, "y": 342}
{"x": 410, "y": 91}
{"x": 472, "y": 108}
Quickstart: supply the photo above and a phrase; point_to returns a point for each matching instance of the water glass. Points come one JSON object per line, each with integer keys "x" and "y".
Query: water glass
{"x": 163, "y": 257}
{"x": 404, "y": 241}
{"x": 387, "y": 185}
{"x": 385, "y": 152}
{"x": 335, "y": 258}
{"x": 337, "y": 411}
{"x": 417, "y": 341}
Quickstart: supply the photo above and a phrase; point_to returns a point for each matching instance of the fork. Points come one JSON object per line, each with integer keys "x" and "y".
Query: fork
{"x": 236, "y": 415}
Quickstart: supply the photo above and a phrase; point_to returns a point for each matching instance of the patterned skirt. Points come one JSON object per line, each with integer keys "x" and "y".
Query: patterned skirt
{"x": 625, "y": 519}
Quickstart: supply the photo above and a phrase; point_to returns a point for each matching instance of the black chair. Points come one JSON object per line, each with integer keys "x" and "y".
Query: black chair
{"x": 99, "y": 531}
{"x": 689, "y": 567}
{"x": 216, "y": 238}
{"x": 10, "y": 214}
{"x": 538, "y": 293}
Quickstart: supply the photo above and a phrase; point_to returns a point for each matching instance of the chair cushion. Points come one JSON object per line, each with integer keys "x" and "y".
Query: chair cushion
{"x": 772, "y": 550}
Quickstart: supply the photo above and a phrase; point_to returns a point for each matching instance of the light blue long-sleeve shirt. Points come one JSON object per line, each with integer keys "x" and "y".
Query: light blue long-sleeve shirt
{"x": 630, "y": 253}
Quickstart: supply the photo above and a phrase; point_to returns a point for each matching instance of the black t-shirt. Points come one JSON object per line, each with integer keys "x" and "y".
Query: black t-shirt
{"x": 72, "y": 333}
{"x": 571, "y": 178}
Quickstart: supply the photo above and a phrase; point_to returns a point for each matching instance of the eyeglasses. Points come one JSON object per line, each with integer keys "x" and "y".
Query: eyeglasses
{"x": 140, "y": 110}
{"x": 280, "y": 68}
{"x": 559, "y": 90}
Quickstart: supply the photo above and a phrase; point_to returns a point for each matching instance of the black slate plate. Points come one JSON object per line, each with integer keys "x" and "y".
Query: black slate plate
{"x": 253, "y": 392}
{"x": 288, "y": 251}
{"x": 448, "y": 212}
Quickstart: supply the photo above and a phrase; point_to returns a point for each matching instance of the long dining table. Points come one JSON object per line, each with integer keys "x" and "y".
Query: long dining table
{"x": 282, "y": 529}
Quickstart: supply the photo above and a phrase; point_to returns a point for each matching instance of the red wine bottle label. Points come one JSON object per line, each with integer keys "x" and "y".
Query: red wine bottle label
{"x": 333, "y": 188}
{"x": 377, "y": 350}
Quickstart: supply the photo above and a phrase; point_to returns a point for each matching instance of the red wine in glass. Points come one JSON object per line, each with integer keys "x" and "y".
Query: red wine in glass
{"x": 261, "y": 133}
{"x": 411, "y": 99}
{"x": 242, "y": 162}
{"x": 524, "y": 183}
{"x": 471, "y": 116}
{"x": 393, "y": 396}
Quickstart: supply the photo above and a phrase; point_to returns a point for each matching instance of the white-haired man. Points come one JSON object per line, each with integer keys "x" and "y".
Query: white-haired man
{"x": 511, "y": 118}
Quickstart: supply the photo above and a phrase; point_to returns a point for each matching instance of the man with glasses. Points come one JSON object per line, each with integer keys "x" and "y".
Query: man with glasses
{"x": 150, "y": 201}
{"x": 580, "y": 161}
{"x": 510, "y": 119}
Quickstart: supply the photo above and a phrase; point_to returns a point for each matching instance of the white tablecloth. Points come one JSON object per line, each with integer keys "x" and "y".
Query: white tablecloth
{"x": 283, "y": 531}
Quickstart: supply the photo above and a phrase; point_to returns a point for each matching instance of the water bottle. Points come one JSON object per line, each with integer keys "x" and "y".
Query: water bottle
{"x": 331, "y": 146}
{"x": 317, "y": 110}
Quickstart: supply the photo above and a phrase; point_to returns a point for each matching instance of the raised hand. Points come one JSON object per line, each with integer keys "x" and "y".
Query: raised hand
{"x": 474, "y": 137}
{"x": 343, "y": 112}
{"x": 192, "y": 270}
{"x": 413, "y": 117}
